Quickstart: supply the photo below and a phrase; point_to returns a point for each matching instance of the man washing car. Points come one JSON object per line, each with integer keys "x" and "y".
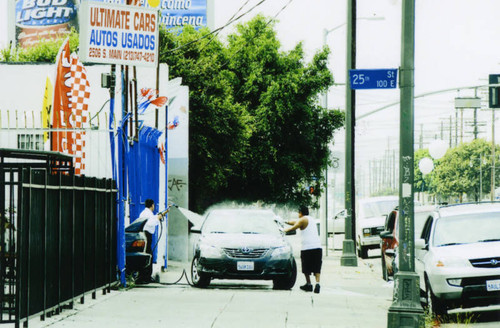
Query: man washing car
{"x": 149, "y": 230}
{"x": 311, "y": 251}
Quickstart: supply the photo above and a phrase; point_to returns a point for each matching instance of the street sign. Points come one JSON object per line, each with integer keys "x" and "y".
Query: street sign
{"x": 373, "y": 78}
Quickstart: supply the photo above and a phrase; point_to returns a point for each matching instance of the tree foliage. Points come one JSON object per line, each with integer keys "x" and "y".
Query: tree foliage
{"x": 257, "y": 132}
{"x": 423, "y": 183}
{"x": 464, "y": 169}
{"x": 43, "y": 52}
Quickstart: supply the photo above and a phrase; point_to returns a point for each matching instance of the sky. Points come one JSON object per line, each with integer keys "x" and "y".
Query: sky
{"x": 456, "y": 46}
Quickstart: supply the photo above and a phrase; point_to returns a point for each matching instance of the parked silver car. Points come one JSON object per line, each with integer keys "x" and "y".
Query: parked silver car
{"x": 336, "y": 224}
{"x": 458, "y": 256}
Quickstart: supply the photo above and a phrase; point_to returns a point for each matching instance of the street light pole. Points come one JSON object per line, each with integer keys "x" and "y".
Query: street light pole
{"x": 348, "y": 257}
{"x": 325, "y": 103}
{"x": 406, "y": 310}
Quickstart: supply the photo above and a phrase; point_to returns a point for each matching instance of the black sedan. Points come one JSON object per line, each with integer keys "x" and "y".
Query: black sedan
{"x": 243, "y": 244}
{"x": 135, "y": 248}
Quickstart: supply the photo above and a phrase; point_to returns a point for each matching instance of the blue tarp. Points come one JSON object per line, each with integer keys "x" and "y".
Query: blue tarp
{"x": 144, "y": 174}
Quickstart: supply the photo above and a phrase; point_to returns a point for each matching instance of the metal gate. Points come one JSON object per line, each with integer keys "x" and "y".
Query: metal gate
{"x": 57, "y": 235}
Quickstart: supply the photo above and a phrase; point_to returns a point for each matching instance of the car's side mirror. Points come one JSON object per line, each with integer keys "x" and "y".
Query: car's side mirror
{"x": 196, "y": 230}
{"x": 420, "y": 244}
{"x": 386, "y": 234}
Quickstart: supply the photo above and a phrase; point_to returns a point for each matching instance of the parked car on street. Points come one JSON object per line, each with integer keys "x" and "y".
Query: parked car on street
{"x": 458, "y": 257}
{"x": 243, "y": 244}
{"x": 336, "y": 224}
{"x": 389, "y": 238}
{"x": 135, "y": 248}
{"x": 370, "y": 217}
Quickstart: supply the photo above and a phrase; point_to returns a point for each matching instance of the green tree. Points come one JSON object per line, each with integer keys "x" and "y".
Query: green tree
{"x": 43, "y": 52}
{"x": 421, "y": 182}
{"x": 257, "y": 132}
{"x": 459, "y": 170}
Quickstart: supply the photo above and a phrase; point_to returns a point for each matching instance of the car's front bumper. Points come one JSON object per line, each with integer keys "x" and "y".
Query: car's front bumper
{"x": 372, "y": 241}
{"x": 226, "y": 268}
{"x": 472, "y": 290}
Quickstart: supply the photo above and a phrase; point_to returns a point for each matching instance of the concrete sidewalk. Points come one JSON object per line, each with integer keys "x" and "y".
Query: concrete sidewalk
{"x": 350, "y": 297}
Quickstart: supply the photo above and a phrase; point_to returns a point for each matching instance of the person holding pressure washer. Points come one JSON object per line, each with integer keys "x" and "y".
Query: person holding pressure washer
{"x": 149, "y": 229}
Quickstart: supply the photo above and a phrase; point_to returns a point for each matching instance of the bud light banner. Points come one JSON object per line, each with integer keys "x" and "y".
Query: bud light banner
{"x": 118, "y": 34}
{"x": 44, "y": 19}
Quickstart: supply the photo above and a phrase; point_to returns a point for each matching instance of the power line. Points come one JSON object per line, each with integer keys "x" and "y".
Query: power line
{"x": 214, "y": 31}
{"x": 230, "y": 19}
{"x": 267, "y": 24}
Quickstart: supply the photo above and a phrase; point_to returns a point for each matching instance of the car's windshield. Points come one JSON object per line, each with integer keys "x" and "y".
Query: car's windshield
{"x": 241, "y": 221}
{"x": 379, "y": 208}
{"x": 466, "y": 229}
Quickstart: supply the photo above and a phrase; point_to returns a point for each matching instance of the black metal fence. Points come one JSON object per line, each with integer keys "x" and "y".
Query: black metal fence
{"x": 58, "y": 237}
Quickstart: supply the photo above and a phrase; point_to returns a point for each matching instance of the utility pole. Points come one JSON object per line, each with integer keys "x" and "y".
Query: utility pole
{"x": 493, "y": 156}
{"x": 451, "y": 130}
{"x": 406, "y": 310}
{"x": 348, "y": 257}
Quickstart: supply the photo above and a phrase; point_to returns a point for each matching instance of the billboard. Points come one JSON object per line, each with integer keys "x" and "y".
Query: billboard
{"x": 118, "y": 34}
{"x": 174, "y": 13}
{"x": 44, "y": 19}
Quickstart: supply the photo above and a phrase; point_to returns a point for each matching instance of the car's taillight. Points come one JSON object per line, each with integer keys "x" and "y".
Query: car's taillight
{"x": 139, "y": 244}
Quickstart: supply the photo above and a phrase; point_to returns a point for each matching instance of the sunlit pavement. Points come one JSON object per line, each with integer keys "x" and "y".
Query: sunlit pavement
{"x": 350, "y": 297}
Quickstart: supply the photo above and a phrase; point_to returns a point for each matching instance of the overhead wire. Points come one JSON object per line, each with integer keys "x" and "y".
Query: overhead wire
{"x": 214, "y": 31}
{"x": 267, "y": 24}
{"x": 230, "y": 19}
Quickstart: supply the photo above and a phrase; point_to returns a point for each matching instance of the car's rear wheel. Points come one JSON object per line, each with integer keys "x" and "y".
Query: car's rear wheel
{"x": 288, "y": 281}
{"x": 434, "y": 304}
{"x": 199, "y": 279}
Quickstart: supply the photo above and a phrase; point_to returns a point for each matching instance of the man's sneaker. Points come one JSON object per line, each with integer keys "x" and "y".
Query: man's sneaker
{"x": 316, "y": 289}
{"x": 307, "y": 287}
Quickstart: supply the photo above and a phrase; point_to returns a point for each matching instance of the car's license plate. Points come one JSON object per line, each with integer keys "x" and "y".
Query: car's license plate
{"x": 492, "y": 285}
{"x": 245, "y": 265}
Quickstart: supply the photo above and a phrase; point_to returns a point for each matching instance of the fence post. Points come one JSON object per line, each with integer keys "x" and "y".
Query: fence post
{"x": 95, "y": 239}
{"x": 45, "y": 206}
{"x": 73, "y": 237}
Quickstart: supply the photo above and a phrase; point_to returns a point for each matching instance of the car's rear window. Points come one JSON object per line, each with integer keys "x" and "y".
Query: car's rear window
{"x": 466, "y": 229}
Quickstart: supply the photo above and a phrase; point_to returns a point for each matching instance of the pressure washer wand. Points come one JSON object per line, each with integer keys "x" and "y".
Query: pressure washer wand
{"x": 168, "y": 208}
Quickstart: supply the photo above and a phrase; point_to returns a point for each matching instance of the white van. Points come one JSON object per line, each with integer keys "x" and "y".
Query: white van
{"x": 370, "y": 219}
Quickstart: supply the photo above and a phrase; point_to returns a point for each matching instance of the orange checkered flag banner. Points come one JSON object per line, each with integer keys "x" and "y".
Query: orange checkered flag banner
{"x": 80, "y": 95}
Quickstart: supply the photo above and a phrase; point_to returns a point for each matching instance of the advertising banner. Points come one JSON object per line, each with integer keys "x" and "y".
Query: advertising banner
{"x": 47, "y": 107}
{"x": 117, "y": 34}
{"x": 177, "y": 13}
{"x": 70, "y": 107}
{"x": 44, "y": 19}
{"x": 173, "y": 13}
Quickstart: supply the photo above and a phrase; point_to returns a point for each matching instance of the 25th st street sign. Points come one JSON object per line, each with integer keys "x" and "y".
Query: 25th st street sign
{"x": 373, "y": 78}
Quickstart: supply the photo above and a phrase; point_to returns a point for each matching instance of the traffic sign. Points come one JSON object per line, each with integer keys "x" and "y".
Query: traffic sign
{"x": 373, "y": 78}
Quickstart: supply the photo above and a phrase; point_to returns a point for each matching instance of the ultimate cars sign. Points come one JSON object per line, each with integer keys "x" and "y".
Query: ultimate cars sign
{"x": 117, "y": 34}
